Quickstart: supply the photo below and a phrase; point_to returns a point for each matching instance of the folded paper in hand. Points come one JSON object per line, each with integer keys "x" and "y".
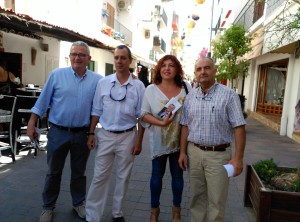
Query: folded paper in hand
{"x": 36, "y": 143}
{"x": 171, "y": 107}
{"x": 230, "y": 169}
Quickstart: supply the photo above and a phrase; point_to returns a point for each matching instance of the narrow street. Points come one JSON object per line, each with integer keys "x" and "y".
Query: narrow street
{"x": 22, "y": 183}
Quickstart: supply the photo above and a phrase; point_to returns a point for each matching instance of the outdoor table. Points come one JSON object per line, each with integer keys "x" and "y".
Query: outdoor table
{"x": 29, "y": 91}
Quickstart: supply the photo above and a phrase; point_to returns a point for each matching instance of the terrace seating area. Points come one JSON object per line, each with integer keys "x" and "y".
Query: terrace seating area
{"x": 14, "y": 115}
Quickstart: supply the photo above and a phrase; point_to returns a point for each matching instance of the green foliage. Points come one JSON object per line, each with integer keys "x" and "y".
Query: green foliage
{"x": 229, "y": 50}
{"x": 266, "y": 169}
{"x": 285, "y": 26}
{"x": 296, "y": 186}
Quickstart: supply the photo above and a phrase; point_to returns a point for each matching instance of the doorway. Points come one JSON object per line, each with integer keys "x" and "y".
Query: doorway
{"x": 12, "y": 62}
{"x": 271, "y": 89}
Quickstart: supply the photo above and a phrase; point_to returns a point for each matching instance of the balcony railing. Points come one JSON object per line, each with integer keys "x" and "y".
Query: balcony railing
{"x": 119, "y": 28}
{"x": 159, "y": 45}
{"x": 272, "y": 5}
{"x": 252, "y": 11}
{"x": 164, "y": 17}
{"x": 119, "y": 32}
{"x": 163, "y": 45}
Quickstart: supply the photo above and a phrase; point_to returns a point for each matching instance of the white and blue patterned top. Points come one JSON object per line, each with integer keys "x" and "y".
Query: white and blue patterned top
{"x": 162, "y": 140}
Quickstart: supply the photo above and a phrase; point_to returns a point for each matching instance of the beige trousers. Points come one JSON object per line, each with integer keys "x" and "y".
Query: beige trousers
{"x": 209, "y": 183}
{"x": 111, "y": 149}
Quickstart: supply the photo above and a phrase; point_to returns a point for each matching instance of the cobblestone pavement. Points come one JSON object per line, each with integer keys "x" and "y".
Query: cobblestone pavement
{"x": 22, "y": 183}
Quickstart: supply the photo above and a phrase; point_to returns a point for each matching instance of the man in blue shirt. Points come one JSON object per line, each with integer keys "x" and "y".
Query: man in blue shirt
{"x": 117, "y": 107}
{"x": 69, "y": 93}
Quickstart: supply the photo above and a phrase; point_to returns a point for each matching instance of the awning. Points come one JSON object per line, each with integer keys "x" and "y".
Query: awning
{"x": 145, "y": 62}
{"x": 289, "y": 48}
{"x": 148, "y": 63}
{"x": 257, "y": 44}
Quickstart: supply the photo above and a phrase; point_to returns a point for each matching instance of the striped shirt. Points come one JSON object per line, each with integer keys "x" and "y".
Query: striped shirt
{"x": 211, "y": 117}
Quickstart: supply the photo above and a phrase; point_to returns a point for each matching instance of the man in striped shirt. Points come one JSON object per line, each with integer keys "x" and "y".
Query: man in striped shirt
{"x": 211, "y": 117}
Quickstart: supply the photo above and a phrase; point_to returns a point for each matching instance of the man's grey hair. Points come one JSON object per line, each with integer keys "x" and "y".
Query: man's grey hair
{"x": 81, "y": 43}
{"x": 206, "y": 57}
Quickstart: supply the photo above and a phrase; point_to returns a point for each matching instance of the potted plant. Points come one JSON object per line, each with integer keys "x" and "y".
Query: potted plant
{"x": 272, "y": 191}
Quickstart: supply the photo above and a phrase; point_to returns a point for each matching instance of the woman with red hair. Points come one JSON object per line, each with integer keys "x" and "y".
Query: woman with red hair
{"x": 164, "y": 132}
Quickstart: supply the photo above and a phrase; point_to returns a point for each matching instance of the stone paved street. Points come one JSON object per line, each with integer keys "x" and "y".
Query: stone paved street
{"x": 22, "y": 183}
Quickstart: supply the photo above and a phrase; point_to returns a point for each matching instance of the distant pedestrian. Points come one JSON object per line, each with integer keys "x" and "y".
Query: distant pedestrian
{"x": 8, "y": 81}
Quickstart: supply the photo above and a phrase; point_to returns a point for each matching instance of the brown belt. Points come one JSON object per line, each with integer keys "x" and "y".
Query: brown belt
{"x": 219, "y": 148}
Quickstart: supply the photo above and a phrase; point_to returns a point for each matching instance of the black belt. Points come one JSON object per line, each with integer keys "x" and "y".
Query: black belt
{"x": 71, "y": 129}
{"x": 121, "y": 131}
{"x": 219, "y": 148}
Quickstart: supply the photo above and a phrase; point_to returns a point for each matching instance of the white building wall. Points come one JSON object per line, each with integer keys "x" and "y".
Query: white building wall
{"x": 292, "y": 90}
{"x": 291, "y": 97}
{"x": 76, "y": 15}
{"x": 100, "y": 56}
{"x": 250, "y": 90}
{"x": 36, "y": 73}
{"x": 84, "y": 17}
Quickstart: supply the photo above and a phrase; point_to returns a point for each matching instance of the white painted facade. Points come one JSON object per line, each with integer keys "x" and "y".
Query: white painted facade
{"x": 292, "y": 84}
{"x": 84, "y": 17}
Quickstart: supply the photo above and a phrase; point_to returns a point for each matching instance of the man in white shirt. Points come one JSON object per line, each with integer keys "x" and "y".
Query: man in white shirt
{"x": 117, "y": 107}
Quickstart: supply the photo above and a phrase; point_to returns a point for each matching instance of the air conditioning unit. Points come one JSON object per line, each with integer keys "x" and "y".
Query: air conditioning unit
{"x": 147, "y": 34}
{"x": 122, "y": 4}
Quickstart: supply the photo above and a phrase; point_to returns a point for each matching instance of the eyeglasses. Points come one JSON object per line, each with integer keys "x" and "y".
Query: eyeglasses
{"x": 206, "y": 97}
{"x": 118, "y": 95}
{"x": 80, "y": 55}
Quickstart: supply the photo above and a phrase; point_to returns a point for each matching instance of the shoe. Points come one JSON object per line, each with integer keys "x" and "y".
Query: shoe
{"x": 154, "y": 214}
{"x": 46, "y": 216}
{"x": 80, "y": 210}
{"x": 118, "y": 219}
{"x": 176, "y": 214}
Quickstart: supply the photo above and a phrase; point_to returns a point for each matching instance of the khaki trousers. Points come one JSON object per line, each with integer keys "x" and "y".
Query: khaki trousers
{"x": 209, "y": 183}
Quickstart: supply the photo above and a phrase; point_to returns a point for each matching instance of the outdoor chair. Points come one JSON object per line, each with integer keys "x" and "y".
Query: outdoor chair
{"x": 21, "y": 117}
{"x": 7, "y": 108}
